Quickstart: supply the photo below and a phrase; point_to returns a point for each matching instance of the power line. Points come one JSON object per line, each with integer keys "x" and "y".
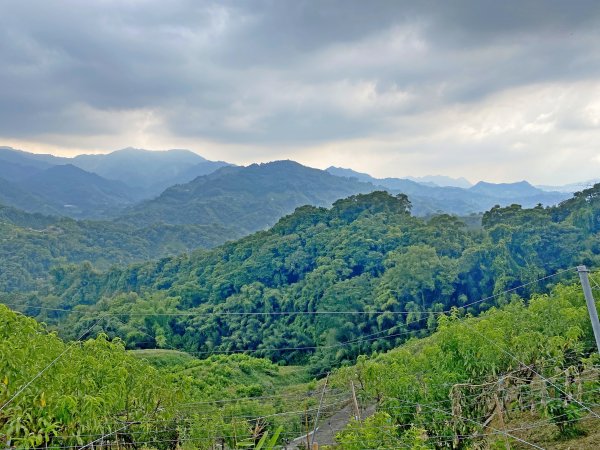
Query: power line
{"x": 101, "y": 438}
{"x": 49, "y": 365}
{"x": 597, "y": 286}
{"x": 533, "y": 370}
{"x": 294, "y": 313}
{"x": 296, "y": 348}
{"x": 559, "y": 272}
{"x": 505, "y": 433}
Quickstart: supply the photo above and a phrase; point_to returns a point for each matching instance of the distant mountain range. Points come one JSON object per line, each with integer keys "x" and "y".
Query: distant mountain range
{"x": 143, "y": 187}
{"x": 428, "y": 180}
{"x": 429, "y": 199}
{"x": 570, "y": 188}
{"x": 150, "y": 171}
{"x": 441, "y": 180}
{"x": 93, "y": 186}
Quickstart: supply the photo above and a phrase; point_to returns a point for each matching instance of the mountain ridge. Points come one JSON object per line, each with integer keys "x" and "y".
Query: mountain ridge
{"x": 429, "y": 199}
{"x": 152, "y": 171}
{"x": 260, "y": 193}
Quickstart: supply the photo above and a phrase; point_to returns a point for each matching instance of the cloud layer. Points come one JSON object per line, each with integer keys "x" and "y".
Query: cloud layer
{"x": 484, "y": 89}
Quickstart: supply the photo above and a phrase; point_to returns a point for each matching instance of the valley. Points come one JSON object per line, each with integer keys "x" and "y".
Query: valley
{"x": 299, "y": 225}
{"x": 240, "y": 337}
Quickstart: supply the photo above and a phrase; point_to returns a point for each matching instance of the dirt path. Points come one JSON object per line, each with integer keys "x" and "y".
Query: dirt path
{"x": 329, "y": 426}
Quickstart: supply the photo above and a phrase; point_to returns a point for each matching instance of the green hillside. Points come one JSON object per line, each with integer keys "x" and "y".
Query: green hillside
{"x": 245, "y": 198}
{"x": 523, "y": 375}
{"x": 31, "y": 245}
{"x": 365, "y": 255}
{"x": 60, "y": 395}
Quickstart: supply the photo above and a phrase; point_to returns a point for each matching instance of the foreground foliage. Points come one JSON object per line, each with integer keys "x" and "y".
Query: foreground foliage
{"x": 96, "y": 391}
{"x": 520, "y": 359}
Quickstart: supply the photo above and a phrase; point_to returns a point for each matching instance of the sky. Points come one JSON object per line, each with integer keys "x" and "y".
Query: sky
{"x": 494, "y": 90}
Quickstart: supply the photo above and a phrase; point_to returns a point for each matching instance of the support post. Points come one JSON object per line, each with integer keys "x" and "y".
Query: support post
{"x": 500, "y": 412}
{"x": 312, "y": 441}
{"x": 356, "y": 408}
{"x": 591, "y": 304}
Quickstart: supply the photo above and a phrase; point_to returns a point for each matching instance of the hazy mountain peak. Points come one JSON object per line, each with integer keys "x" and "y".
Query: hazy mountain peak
{"x": 506, "y": 190}
{"x": 174, "y": 152}
{"x": 282, "y": 164}
{"x": 151, "y": 170}
{"x": 38, "y": 160}
{"x": 442, "y": 180}
{"x": 522, "y": 183}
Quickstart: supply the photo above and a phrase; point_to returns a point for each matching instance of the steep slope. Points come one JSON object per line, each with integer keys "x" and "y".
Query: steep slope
{"x": 39, "y": 161}
{"x": 365, "y": 254}
{"x": 12, "y": 194}
{"x": 77, "y": 193}
{"x": 152, "y": 171}
{"x": 32, "y": 244}
{"x": 246, "y": 198}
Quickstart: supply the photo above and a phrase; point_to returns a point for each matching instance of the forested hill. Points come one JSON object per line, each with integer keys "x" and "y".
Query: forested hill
{"x": 366, "y": 253}
{"x": 254, "y": 197}
{"x": 246, "y": 198}
{"x": 150, "y": 171}
{"x": 32, "y": 244}
{"x": 63, "y": 190}
{"x": 93, "y": 186}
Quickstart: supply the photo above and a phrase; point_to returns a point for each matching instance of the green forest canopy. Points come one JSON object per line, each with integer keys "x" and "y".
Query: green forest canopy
{"x": 365, "y": 254}
{"x": 427, "y": 393}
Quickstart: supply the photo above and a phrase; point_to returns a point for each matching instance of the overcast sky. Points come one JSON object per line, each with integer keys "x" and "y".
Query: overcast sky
{"x": 495, "y": 90}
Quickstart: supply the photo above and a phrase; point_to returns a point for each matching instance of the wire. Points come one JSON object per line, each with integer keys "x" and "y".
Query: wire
{"x": 505, "y": 433}
{"x": 559, "y": 272}
{"x": 292, "y": 313}
{"x": 258, "y": 350}
{"x": 101, "y": 438}
{"x": 594, "y": 281}
{"x": 49, "y": 365}
{"x": 531, "y": 368}
{"x": 312, "y": 347}
{"x": 362, "y": 339}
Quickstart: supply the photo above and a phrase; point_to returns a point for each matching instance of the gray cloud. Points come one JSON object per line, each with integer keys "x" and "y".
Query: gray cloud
{"x": 287, "y": 77}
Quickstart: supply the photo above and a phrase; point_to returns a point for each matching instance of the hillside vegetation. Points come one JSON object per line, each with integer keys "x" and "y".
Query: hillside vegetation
{"x": 524, "y": 374}
{"x": 72, "y": 395}
{"x": 534, "y": 365}
{"x": 366, "y": 255}
{"x": 248, "y": 198}
{"x": 31, "y": 245}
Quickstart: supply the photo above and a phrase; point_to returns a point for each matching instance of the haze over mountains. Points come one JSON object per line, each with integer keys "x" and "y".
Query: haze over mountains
{"x": 430, "y": 199}
{"x": 150, "y": 171}
{"x": 177, "y": 187}
{"x": 93, "y": 186}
